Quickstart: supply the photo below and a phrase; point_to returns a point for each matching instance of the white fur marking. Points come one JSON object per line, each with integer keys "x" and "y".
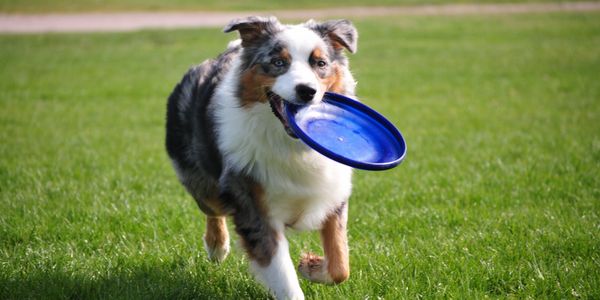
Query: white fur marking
{"x": 217, "y": 254}
{"x": 300, "y": 43}
{"x": 280, "y": 275}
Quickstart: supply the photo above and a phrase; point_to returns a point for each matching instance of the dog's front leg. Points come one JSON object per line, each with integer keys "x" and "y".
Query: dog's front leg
{"x": 263, "y": 239}
{"x": 334, "y": 267}
{"x": 278, "y": 272}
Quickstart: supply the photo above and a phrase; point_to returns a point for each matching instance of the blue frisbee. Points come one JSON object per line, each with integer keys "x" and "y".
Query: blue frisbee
{"x": 348, "y": 132}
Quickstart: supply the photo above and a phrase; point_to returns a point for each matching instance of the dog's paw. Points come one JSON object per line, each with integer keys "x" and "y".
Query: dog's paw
{"x": 216, "y": 252}
{"x": 314, "y": 268}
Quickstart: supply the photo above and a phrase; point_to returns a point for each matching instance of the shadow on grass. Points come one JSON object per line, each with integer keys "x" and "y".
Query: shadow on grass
{"x": 155, "y": 282}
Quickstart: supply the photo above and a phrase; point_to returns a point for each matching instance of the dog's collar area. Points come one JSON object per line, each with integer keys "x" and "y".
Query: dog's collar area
{"x": 278, "y": 108}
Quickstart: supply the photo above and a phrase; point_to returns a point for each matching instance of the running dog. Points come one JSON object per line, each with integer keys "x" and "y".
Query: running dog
{"x": 232, "y": 148}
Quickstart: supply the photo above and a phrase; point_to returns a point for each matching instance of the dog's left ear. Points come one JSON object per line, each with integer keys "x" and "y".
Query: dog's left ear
{"x": 341, "y": 33}
{"x": 253, "y": 29}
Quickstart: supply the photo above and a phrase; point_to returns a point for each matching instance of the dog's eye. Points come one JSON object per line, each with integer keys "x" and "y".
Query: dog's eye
{"x": 278, "y": 62}
{"x": 321, "y": 64}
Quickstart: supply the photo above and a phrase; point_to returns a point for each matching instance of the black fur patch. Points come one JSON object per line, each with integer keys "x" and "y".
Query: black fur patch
{"x": 339, "y": 211}
{"x": 244, "y": 197}
{"x": 190, "y": 137}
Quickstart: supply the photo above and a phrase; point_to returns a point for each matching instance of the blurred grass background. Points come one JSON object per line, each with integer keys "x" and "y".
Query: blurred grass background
{"x": 37, "y": 6}
{"x": 498, "y": 196}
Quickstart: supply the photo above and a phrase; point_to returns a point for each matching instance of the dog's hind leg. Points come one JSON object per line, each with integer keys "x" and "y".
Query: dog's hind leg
{"x": 216, "y": 238}
{"x": 334, "y": 267}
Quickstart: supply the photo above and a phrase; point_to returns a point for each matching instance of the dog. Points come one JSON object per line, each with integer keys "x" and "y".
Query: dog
{"x": 232, "y": 148}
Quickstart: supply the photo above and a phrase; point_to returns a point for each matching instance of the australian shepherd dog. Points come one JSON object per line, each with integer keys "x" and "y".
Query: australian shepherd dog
{"x": 232, "y": 147}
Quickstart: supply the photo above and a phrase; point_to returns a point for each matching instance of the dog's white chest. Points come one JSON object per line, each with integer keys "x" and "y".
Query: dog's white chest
{"x": 303, "y": 196}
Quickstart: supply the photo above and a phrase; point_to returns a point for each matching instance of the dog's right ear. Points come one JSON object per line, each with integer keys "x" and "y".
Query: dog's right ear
{"x": 341, "y": 33}
{"x": 253, "y": 29}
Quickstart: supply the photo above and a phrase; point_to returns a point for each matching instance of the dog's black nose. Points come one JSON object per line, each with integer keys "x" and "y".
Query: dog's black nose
{"x": 305, "y": 92}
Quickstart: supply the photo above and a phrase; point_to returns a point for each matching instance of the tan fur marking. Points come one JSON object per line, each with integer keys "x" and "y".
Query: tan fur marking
{"x": 285, "y": 55}
{"x": 317, "y": 53}
{"x": 337, "y": 45}
{"x": 335, "y": 82}
{"x": 214, "y": 205}
{"x": 335, "y": 246}
{"x": 253, "y": 85}
{"x": 216, "y": 232}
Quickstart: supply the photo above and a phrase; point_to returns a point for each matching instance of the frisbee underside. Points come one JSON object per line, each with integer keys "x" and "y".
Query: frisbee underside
{"x": 348, "y": 132}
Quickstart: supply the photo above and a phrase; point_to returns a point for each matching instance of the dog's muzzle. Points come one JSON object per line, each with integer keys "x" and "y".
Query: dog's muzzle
{"x": 278, "y": 108}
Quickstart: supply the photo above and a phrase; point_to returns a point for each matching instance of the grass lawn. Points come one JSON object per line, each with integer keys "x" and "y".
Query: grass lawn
{"x": 37, "y": 6}
{"x": 499, "y": 195}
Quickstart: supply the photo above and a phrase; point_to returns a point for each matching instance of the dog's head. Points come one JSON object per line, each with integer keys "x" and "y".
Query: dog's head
{"x": 293, "y": 63}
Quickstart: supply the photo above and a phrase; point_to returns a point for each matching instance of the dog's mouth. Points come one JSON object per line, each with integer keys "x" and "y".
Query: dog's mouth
{"x": 278, "y": 108}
